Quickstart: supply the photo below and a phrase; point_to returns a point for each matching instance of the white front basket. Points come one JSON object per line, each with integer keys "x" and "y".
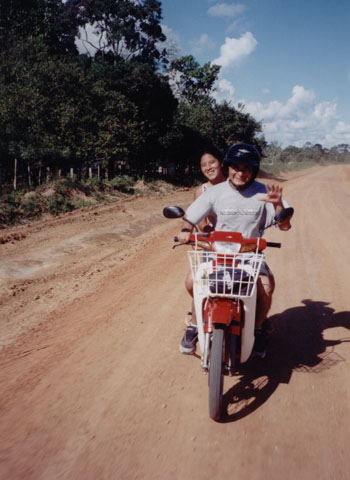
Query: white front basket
{"x": 226, "y": 275}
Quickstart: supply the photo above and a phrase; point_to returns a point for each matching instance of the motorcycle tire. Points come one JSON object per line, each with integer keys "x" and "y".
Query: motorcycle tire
{"x": 216, "y": 372}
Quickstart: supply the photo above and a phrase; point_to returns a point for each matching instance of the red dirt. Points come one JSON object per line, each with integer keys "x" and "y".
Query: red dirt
{"x": 93, "y": 385}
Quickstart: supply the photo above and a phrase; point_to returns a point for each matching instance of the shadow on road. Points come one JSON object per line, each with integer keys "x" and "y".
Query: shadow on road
{"x": 297, "y": 344}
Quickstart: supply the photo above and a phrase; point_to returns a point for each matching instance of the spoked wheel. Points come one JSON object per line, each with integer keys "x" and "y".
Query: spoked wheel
{"x": 216, "y": 372}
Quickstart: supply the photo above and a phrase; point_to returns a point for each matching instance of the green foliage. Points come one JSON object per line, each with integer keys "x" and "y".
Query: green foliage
{"x": 59, "y": 204}
{"x": 123, "y": 183}
{"x": 276, "y": 159}
{"x": 192, "y": 82}
{"x": 48, "y": 19}
{"x": 233, "y": 125}
{"x": 40, "y": 102}
{"x": 206, "y": 123}
{"x": 8, "y": 214}
{"x": 31, "y": 207}
{"x": 66, "y": 195}
{"x": 125, "y": 28}
{"x": 200, "y": 120}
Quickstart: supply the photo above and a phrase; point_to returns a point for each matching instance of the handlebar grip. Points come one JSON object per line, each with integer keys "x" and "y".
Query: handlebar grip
{"x": 274, "y": 244}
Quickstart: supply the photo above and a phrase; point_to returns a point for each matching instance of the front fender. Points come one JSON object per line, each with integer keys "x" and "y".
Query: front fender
{"x": 221, "y": 311}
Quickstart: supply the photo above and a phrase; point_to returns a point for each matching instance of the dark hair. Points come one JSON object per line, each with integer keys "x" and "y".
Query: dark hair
{"x": 212, "y": 151}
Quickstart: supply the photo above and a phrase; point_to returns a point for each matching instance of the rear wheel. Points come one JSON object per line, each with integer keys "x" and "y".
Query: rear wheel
{"x": 216, "y": 373}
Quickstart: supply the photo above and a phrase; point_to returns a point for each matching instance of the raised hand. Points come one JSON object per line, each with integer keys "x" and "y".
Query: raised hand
{"x": 273, "y": 195}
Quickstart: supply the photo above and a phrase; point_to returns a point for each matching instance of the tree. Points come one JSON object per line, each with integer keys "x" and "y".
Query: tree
{"x": 47, "y": 19}
{"x": 39, "y": 96}
{"x": 233, "y": 126}
{"x": 126, "y": 28}
{"x": 191, "y": 82}
{"x": 207, "y": 123}
{"x": 290, "y": 154}
{"x": 152, "y": 97}
{"x": 340, "y": 153}
{"x": 272, "y": 152}
{"x": 200, "y": 119}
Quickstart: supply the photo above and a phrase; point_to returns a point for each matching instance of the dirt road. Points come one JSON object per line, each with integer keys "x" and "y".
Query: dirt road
{"x": 93, "y": 385}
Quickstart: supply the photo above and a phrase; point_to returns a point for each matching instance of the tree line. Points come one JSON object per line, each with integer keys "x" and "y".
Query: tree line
{"x": 307, "y": 154}
{"x": 125, "y": 105}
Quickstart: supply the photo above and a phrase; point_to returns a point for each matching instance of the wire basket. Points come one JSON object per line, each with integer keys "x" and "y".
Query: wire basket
{"x": 225, "y": 275}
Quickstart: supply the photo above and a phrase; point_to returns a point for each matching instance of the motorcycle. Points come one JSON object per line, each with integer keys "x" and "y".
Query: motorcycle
{"x": 225, "y": 268}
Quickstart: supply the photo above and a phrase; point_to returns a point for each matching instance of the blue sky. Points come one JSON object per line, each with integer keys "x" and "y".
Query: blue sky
{"x": 287, "y": 61}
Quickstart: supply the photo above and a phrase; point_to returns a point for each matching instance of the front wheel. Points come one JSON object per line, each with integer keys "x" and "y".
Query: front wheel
{"x": 216, "y": 373}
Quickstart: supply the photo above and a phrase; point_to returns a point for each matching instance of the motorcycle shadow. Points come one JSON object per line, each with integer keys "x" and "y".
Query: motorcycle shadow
{"x": 297, "y": 344}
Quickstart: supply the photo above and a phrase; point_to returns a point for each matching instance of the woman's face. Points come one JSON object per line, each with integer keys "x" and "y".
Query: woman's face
{"x": 210, "y": 166}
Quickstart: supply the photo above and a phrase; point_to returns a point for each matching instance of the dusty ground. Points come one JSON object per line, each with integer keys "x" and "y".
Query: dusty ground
{"x": 92, "y": 383}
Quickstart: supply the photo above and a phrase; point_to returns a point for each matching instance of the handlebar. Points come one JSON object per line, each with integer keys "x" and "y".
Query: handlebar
{"x": 204, "y": 236}
{"x": 274, "y": 244}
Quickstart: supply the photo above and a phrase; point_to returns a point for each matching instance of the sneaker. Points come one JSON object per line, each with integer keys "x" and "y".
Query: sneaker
{"x": 259, "y": 348}
{"x": 189, "y": 340}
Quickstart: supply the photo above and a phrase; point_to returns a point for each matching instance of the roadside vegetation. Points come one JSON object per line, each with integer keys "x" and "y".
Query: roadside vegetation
{"x": 65, "y": 195}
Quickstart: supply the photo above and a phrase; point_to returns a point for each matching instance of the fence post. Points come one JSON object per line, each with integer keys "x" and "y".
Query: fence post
{"x": 30, "y": 183}
{"x": 48, "y": 174}
{"x": 15, "y": 176}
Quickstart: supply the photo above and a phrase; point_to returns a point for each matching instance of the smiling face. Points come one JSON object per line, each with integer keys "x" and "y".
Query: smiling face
{"x": 240, "y": 174}
{"x": 211, "y": 167}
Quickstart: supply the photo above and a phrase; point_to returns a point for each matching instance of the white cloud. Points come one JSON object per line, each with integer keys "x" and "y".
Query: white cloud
{"x": 238, "y": 25}
{"x": 339, "y": 134}
{"x": 225, "y": 10}
{"x": 234, "y": 50}
{"x": 224, "y": 91}
{"x": 342, "y": 128}
{"x": 203, "y": 44}
{"x": 300, "y": 119}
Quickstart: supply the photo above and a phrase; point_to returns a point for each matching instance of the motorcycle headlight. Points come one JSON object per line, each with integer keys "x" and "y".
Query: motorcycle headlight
{"x": 227, "y": 247}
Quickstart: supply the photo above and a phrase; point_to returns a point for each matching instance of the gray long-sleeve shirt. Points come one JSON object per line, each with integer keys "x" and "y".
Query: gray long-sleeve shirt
{"x": 236, "y": 210}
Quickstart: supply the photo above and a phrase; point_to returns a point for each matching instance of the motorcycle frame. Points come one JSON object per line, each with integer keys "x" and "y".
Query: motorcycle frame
{"x": 217, "y": 310}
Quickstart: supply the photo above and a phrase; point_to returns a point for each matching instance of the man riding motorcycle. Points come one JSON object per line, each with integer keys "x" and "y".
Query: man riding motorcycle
{"x": 243, "y": 205}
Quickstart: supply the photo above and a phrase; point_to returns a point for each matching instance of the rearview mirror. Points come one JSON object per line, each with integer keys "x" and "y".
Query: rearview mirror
{"x": 173, "y": 212}
{"x": 284, "y": 214}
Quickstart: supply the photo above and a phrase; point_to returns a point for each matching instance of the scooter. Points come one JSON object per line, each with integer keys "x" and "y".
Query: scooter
{"x": 225, "y": 267}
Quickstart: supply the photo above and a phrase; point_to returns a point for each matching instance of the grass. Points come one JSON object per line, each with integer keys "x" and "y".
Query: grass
{"x": 65, "y": 195}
